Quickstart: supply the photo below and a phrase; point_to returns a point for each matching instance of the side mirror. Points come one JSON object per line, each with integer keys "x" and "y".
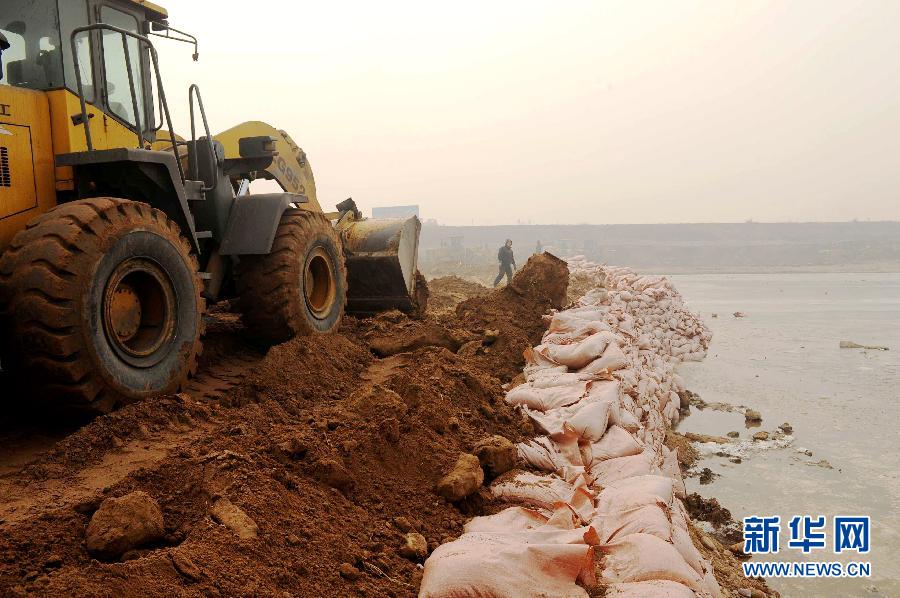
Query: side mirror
{"x": 4, "y": 45}
{"x": 159, "y": 25}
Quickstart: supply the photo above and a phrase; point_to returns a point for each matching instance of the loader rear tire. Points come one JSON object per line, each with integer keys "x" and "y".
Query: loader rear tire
{"x": 102, "y": 302}
{"x": 300, "y": 287}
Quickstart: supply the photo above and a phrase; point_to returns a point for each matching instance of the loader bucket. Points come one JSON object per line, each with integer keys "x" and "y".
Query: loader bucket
{"x": 381, "y": 256}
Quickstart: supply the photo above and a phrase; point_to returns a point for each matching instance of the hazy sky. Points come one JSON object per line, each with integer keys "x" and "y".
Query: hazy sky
{"x": 567, "y": 112}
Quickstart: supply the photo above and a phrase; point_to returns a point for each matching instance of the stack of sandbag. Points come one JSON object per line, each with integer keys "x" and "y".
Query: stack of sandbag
{"x": 602, "y": 389}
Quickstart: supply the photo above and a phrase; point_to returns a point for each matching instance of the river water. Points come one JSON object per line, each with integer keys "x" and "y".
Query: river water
{"x": 783, "y": 360}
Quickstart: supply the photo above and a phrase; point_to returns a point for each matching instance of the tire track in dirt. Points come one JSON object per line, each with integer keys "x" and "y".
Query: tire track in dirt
{"x": 27, "y": 437}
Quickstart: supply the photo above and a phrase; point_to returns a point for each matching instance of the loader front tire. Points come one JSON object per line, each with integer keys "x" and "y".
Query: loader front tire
{"x": 102, "y": 301}
{"x": 300, "y": 287}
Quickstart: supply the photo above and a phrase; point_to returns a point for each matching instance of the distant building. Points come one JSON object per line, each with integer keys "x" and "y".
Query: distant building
{"x": 395, "y": 211}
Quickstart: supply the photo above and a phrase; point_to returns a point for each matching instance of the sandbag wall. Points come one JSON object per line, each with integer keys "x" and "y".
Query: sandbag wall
{"x": 598, "y": 486}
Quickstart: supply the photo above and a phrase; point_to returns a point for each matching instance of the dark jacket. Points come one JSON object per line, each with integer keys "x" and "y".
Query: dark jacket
{"x": 505, "y": 255}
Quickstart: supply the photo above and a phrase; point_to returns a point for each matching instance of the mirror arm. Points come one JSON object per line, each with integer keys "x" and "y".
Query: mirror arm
{"x": 185, "y": 38}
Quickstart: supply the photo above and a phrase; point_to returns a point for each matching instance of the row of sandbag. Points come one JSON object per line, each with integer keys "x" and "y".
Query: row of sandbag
{"x": 601, "y": 386}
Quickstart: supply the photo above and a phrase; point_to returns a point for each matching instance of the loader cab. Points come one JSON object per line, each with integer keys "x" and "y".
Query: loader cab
{"x": 40, "y": 56}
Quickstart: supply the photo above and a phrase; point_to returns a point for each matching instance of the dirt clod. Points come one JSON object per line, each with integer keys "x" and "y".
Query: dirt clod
{"x": 121, "y": 524}
{"x": 348, "y": 571}
{"x": 464, "y": 479}
{"x": 234, "y": 518}
{"x": 185, "y": 566}
{"x": 496, "y": 454}
{"x": 415, "y": 547}
{"x": 335, "y": 474}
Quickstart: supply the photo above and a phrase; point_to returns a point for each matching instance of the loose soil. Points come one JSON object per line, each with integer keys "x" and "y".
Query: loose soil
{"x": 449, "y": 291}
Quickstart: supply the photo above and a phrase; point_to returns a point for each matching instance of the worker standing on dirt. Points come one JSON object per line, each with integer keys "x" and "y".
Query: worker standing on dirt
{"x": 507, "y": 263}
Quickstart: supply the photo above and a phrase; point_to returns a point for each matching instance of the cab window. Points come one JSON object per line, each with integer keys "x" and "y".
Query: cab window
{"x": 34, "y": 58}
{"x": 118, "y": 90}
{"x": 72, "y": 14}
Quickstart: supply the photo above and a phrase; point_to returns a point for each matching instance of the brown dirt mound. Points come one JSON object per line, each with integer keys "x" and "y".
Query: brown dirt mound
{"x": 515, "y": 311}
{"x": 448, "y": 291}
{"x": 331, "y": 451}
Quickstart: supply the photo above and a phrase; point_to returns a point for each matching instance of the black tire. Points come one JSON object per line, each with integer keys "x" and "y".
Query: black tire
{"x": 102, "y": 301}
{"x": 300, "y": 288}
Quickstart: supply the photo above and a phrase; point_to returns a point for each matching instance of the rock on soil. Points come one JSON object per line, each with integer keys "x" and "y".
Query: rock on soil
{"x": 121, "y": 524}
{"x": 496, "y": 454}
{"x": 464, "y": 479}
{"x": 234, "y": 518}
{"x": 333, "y": 473}
{"x": 415, "y": 547}
{"x": 185, "y": 566}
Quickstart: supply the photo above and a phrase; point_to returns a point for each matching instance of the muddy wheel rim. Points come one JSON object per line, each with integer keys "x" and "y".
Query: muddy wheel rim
{"x": 318, "y": 283}
{"x": 139, "y": 311}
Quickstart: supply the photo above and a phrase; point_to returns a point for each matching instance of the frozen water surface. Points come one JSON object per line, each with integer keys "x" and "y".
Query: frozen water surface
{"x": 783, "y": 360}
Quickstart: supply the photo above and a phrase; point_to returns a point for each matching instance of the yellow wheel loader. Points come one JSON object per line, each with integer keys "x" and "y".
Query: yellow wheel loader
{"x": 115, "y": 232}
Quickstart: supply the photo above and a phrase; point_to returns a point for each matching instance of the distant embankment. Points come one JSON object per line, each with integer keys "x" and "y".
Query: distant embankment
{"x": 846, "y": 246}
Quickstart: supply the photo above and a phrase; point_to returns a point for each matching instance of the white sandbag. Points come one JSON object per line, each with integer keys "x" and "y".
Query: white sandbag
{"x": 624, "y": 419}
{"x": 671, "y": 468}
{"x": 603, "y": 387}
{"x": 681, "y": 539}
{"x": 616, "y": 442}
{"x": 536, "y": 361}
{"x": 588, "y": 418}
{"x": 577, "y": 355}
{"x": 544, "y": 399}
{"x": 580, "y": 332}
{"x": 612, "y": 359}
{"x": 567, "y": 321}
{"x": 595, "y": 297}
{"x": 635, "y": 492}
{"x": 645, "y": 519}
{"x": 588, "y": 312}
{"x": 591, "y": 419}
{"x": 657, "y": 588}
{"x": 643, "y": 557}
{"x": 501, "y": 566}
{"x": 509, "y": 519}
{"x": 613, "y": 470}
{"x": 549, "y": 378}
{"x": 543, "y": 492}
{"x": 541, "y": 453}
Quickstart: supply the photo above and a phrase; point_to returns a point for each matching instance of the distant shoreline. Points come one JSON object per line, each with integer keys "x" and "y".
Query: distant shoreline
{"x": 848, "y": 269}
